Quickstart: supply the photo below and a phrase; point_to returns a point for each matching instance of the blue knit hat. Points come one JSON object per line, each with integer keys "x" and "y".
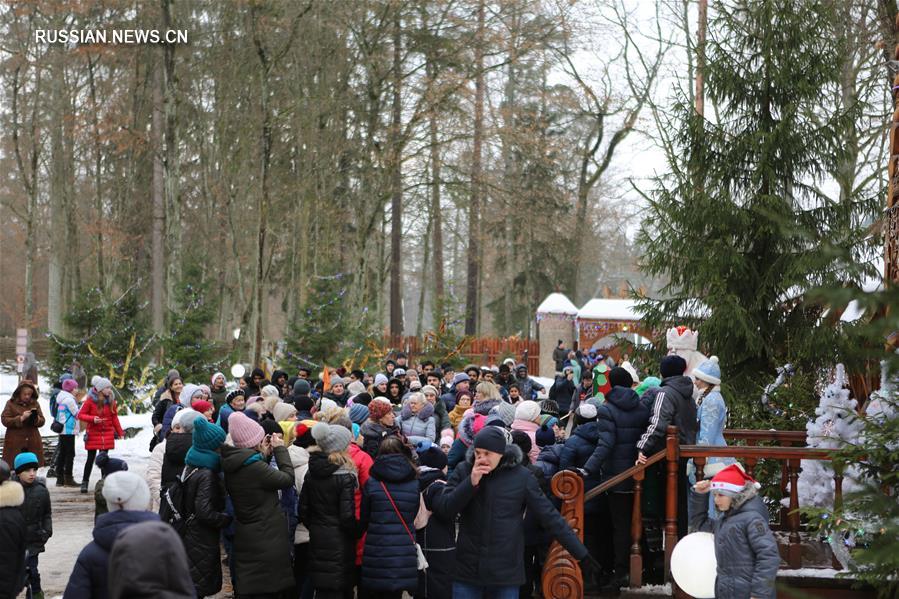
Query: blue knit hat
{"x": 358, "y": 413}
{"x": 709, "y": 371}
{"x": 206, "y": 439}
{"x": 24, "y": 461}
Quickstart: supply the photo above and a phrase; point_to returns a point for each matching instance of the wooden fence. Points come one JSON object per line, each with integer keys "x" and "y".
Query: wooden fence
{"x": 562, "y": 577}
{"x": 477, "y": 350}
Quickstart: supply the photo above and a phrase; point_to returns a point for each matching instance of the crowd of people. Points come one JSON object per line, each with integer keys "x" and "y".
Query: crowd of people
{"x": 421, "y": 480}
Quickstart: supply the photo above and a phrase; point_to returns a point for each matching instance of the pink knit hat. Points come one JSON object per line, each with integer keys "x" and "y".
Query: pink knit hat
{"x": 244, "y": 431}
{"x": 69, "y": 385}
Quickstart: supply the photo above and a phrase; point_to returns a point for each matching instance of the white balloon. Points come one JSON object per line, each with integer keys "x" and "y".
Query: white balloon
{"x": 693, "y": 565}
{"x": 238, "y": 371}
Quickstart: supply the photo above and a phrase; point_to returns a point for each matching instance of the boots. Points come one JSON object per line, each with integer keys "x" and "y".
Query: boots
{"x": 70, "y": 481}
{"x": 84, "y": 484}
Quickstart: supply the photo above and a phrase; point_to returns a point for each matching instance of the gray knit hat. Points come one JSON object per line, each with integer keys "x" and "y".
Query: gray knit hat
{"x": 331, "y": 438}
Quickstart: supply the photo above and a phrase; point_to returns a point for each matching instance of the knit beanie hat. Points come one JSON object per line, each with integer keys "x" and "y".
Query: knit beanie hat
{"x": 731, "y": 480}
{"x": 99, "y": 383}
{"x": 358, "y": 413}
{"x": 430, "y": 455}
{"x": 217, "y": 375}
{"x": 430, "y": 389}
{"x": 244, "y": 432}
{"x": 620, "y": 377}
{"x": 201, "y": 405}
{"x": 206, "y": 439}
{"x": 303, "y": 403}
{"x": 709, "y": 371}
{"x": 523, "y": 441}
{"x": 284, "y": 411}
{"x": 270, "y": 401}
{"x": 270, "y": 427}
{"x": 126, "y": 491}
{"x": 586, "y": 412}
{"x": 504, "y": 410}
{"x": 527, "y": 410}
{"x": 378, "y": 408}
{"x": 205, "y": 389}
{"x": 549, "y": 406}
{"x": 301, "y": 387}
{"x": 65, "y": 376}
{"x": 415, "y": 385}
{"x": 446, "y": 440}
{"x": 303, "y": 434}
{"x": 672, "y": 365}
{"x": 331, "y": 438}
{"x": 108, "y": 465}
{"x": 398, "y": 372}
{"x": 170, "y": 376}
{"x": 355, "y": 388}
{"x": 363, "y": 399}
{"x": 338, "y": 381}
{"x": 231, "y": 396}
{"x": 492, "y": 439}
{"x": 380, "y": 379}
{"x": 544, "y": 436}
{"x": 460, "y": 376}
{"x": 187, "y": 392}
{"x": 69, "y": 385}
{"x": 185, "y": 418}
{"x": 24, "y": 461}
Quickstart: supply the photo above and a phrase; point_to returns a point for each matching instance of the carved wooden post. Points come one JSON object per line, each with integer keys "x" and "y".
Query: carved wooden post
{"x": 636, "y": 571}
{"x": 672, "y": 454}
{"x": 837, "y": 502}
{"x": 784, "y": 479}
{"x": 699, "y": 464}
{"x": 751, "y": 462}
{"x": 794, "y": 551}
{"x": 562, "y": 577}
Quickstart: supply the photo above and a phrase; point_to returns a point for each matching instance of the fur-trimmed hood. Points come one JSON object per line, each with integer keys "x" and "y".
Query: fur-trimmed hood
{"x": 740, "y": 500}
{"x": 511, "y": 458}
{"x": 424, "y": 413}
{"x": 12, "y": 494}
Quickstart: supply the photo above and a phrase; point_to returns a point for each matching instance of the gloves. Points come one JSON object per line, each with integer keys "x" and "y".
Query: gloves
{"x": 583, "y": 473}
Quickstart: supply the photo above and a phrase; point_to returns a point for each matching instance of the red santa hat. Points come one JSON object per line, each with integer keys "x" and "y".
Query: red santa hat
{"x": 731, "y": 480}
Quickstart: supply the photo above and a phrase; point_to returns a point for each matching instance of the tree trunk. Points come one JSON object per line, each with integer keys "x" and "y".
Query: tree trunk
{"x": 396, "y": 203}
{"x": 172, "y": 165}
{"x": 472, "y": 287}
{"x": 57, "y": 197}
{"x": 438, "y": 302}
{"x": 158, "y": 270}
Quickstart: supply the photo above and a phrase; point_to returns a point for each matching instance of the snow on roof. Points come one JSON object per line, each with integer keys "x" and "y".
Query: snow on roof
{"x": 557, "y": 303}
{"x": 609, "y": 309}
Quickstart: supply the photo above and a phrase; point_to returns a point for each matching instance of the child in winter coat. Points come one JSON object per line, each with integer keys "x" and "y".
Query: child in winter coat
{"x": 107, "y": 466}
{"x": 417, "y": 421}
{"x": 67, "y": 416}
{"x": 328, "y": 510}
{"x": 527, "y": 413}
{"x": 389, "y": 506}
{"x": 13, "y": 534}
{"x": 37, "y": 514}
{"x": 744, "y": 544}
{"x": 103, "y": 428}
{"x": 437, "y": 536}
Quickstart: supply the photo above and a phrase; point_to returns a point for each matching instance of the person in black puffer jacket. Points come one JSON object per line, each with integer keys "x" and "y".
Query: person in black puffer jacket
{"x": 261, "y": 551}
{"x": 12, "y": 535}
{"x": 176, "y": 446}
{"x": 438, "y": 538}
{"x": 562, "y": 390}
{"x": 621, "y": 420}
{"x": 490, "y": 491}
{"x": 673, "y": 404}
{"x": 389, "y": 560}
{"x": 327, "y": 508}
{"x": 205, "y": 498}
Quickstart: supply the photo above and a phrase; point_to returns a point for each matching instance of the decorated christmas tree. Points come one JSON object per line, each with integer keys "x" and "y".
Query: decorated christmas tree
{"x": 187, "y": 346}
{"x": 835, "y": 426}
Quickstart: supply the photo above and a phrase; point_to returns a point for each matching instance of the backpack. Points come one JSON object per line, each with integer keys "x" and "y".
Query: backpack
{"x": 173, "y": 507}
{"x": 54, "y": 407}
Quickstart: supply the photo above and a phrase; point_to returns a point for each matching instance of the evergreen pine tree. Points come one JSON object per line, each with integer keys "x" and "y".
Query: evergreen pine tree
{"x": 320, "y": 326}
{"x": 739, "y": 229}
{"x": 187, "y": 346}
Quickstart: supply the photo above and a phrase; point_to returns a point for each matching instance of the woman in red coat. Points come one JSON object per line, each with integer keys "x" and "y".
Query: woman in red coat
{"x": 103, "y": 428}
{"x": 23, "y": 419}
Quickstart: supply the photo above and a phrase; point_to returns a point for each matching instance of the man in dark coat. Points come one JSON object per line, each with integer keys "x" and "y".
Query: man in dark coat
{"x": 560, "y": 354}
{"x": 490, "y": 491}
{"x": 261, "y": 547}
{"x": 562, "y": 389}
{"x": 461, "y": 382}
{"x": 621, "y": 420}
{"x": 673, "y": 404}
{"x": 438, "y": 538}
{"x": 148, "y": 562}
{"x": 12, "y": 535}
{"x": 582, "y": 392}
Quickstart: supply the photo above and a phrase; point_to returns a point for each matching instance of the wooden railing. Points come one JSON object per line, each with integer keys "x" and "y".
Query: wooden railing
{"x": 561, "y": 574}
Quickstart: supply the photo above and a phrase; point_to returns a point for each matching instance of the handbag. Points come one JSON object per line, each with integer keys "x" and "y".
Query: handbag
{"x": 422, "y": 560}
{"x": 56, "y": 426}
